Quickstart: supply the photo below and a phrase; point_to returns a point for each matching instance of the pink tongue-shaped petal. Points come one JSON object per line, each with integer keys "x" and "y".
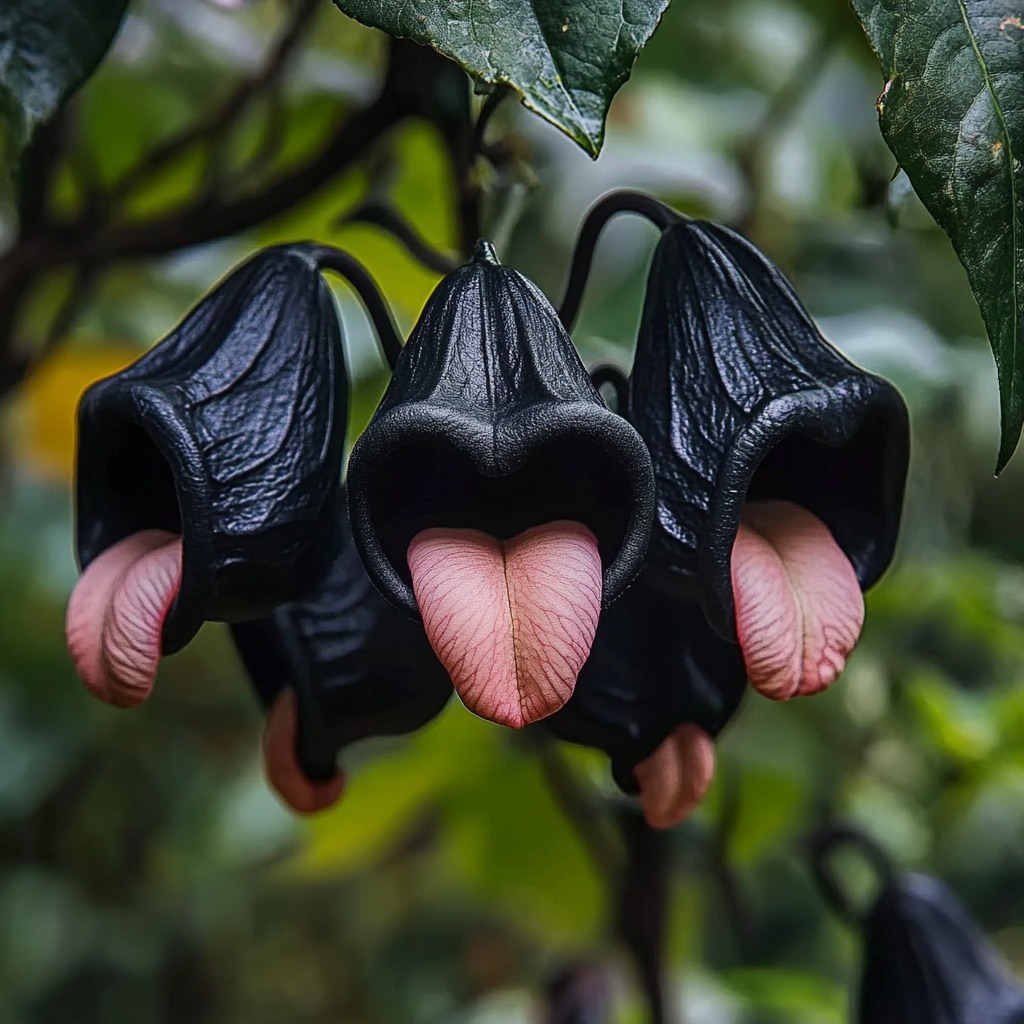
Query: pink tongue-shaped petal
{"x": 674, "y": 779}
{"x": 799, "y": 608}
{"x": 512, "y": 621}
{"x": 116, "y": 615}
{"x": 283, "y": 769}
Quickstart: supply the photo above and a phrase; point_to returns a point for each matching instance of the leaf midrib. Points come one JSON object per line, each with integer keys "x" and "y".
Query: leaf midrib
{"x": 1014, "y": 212}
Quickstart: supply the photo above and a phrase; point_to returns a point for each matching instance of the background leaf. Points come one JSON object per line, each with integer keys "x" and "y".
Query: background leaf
{"x": 567, "y": 61}
{"x": 47, "y": 49}
{"x": 952, "y": 112}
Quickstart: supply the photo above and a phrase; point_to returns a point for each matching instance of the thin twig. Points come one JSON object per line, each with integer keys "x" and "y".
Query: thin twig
{"x": 383, "y": 215}
{"x": 782, "y": 108}
{"x": 217, "y": 125}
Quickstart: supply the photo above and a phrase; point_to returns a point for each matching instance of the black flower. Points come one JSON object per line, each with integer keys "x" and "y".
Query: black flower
{"x": 208, "y": 477}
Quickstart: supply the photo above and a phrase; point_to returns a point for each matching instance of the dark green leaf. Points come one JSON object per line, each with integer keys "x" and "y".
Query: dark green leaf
{"x": 952, "y": 112}
{"x": 567, "y": 61}
{"x": 47, "y": 49}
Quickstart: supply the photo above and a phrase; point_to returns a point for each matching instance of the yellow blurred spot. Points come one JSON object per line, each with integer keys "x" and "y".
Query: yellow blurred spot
{"x": 44, "y": 409}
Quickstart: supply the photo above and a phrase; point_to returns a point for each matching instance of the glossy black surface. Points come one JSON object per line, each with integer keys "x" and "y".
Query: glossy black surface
{"x": 738, "y": 396}
{"x": 358, "y": 666}
{"x": 927, "y": 962}
{"x": 229, "y": 431}
{"x": 491, "y": 422}
{"x": 654, "y": 665}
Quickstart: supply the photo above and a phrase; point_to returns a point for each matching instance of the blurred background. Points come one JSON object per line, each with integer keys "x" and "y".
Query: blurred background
{"x": 148, "y": 875}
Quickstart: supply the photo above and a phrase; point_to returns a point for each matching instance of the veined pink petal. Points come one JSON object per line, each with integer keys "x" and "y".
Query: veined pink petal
{"x": 675, "y": 778}
{"x": 799, "y": 607}
{"x": 282, "y": 768}
{"x": 512, "y": 621}
{"x": 116, "y": 614}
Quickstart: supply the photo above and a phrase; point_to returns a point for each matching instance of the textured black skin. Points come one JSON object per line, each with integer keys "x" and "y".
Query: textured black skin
{"x": 358, "y": 666}
{"x": 230, "y": 431}
{"x": 738, "y": 397}
{"x": 926, "y": 962}
{"x": 654, "y": 665}
{"x": 491, "y": 422}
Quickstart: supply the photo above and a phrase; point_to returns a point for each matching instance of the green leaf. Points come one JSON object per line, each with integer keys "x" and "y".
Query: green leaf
{"x": 952, "y": 112}
{"x": 566, "y": 61}
{"x": 47, "y": 49}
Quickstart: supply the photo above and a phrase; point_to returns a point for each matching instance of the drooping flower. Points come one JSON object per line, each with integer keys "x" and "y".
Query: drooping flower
{"x": 334, "y": 668}
{"x": 495, "y": 495}
{"x": 779, "y": 475}
{"x": 925, "y": 960}
{"x": 208, "y": 475}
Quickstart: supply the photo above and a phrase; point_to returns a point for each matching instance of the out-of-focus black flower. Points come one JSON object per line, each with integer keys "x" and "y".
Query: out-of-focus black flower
{"x": 925, "y": 960}
{"x": 347, "y": 665}
{"x": 208, "y": 476}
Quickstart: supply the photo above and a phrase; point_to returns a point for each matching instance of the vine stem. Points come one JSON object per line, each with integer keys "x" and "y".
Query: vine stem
{"x": 608, "y": 206}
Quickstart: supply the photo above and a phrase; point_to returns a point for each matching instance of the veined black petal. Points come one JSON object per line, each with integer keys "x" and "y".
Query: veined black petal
{"x": 491, "y": 422}
{"x": 927, "y": 962}
{"x": 738, "y": 396}
{"x": 655, "y": 664}
{"x": 230, "y": 431}
{"x": 358, "y": 666}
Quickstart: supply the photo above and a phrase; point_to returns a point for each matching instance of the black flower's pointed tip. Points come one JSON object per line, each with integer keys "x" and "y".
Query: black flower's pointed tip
{"x": 483, "y": 252}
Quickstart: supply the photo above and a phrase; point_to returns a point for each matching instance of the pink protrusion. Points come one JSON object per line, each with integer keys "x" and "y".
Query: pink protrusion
{"x": 116, "y": 615}
{"x": 799, "y": 607}
{"x": 282, "y": 767}
{"x": 675, "y": 778}
{"x": 512, "y": 621}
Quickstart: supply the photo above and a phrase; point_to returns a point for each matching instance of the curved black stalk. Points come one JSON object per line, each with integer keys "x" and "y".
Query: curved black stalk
{"x": 348, "y": 267}
{"x": 617, "y": 381}
{"x": 490, "y": 105}
{"x": 823, "y": 844}
{"x": 622, "y": 201}
{"x": 641, "y": 916}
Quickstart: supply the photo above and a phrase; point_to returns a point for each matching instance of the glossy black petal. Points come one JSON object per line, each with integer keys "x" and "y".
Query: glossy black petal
{"x": 926, "y": 962}
{"x": 655, "y": 665}
{"x": 358, "y": 666}
{"x": 230, "y": 431}
{"x": 739, "y": 397}
{"x": 491, "y": 422}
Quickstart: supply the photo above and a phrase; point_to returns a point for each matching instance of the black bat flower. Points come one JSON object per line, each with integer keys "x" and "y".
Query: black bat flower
{"x": 333, "y": 668}
{"x": 496, "y": 496}
{"x": 209, "y": 471}
{"x": 779, "y": 475}
{"x": 925, "y": 960}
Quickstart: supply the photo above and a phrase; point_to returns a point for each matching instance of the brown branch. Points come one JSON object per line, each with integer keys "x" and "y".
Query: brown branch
{"x": 219, "y": 123}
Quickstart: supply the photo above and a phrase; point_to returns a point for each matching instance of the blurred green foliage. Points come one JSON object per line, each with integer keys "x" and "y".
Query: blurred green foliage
{"x": 147, "y": 874}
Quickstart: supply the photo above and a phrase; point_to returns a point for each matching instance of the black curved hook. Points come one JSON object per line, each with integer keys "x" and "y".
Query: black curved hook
{"x": 342, "y": 263}
{"x": 621, "y": 201}
{"x": 605, "y": 373}
{"x": 822, "y": 846}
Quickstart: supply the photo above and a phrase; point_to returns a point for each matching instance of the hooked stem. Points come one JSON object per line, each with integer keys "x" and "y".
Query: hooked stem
{"x": 822, "y": 846}
{"x": 621, "y": 201}
{"x": 617, "y": 381}
{"x": 357, "y": 276}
